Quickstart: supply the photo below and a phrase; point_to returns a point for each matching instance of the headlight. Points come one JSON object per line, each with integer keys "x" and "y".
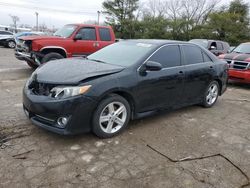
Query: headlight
{"x": 64, "y": 92}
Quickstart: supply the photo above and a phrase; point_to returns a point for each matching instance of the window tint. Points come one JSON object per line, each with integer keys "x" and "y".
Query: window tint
{"x": 105, "y": 34}
{"x": 206, "y": 57}
{"x": 213, "y": 46}
{"x": 87, "y": 33}
{"x": 192, "y": 54}
{"x": 5, "y": 33}
{"x": 168, "y": 56}
{"x": 219, "y": 46}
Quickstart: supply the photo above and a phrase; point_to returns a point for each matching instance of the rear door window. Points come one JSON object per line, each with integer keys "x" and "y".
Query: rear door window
{"x": 105, "y": 34}
{"x": 206, "y": 58}
{"x": 87, "y": 33}
{"x": 167, "y": 56}
{"x": 192, "y": 54}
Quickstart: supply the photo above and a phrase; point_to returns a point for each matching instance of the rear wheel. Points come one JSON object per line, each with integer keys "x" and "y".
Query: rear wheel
{"x": 51, "y": 56}
{"x": 111, "y": 116}
{"x": 11, "y": 44}
{"x": 211, "y": 94}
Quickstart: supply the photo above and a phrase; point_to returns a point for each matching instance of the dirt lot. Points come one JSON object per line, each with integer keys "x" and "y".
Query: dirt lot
{"x": 191, "y": 147}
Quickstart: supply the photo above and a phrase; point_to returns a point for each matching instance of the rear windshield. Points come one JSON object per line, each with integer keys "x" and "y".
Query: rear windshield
{"x": 122, "y": 53}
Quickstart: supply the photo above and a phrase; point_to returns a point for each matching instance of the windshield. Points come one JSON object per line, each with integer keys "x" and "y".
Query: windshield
{"x": 203, "y": 43}
{"x": 66, "y": 31}
{"x": 122, "y": 53}
{"x": 242, "y": 48}
{"x": 19, "y": 34}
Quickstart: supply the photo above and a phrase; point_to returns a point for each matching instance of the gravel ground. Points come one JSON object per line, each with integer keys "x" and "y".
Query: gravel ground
{"x": 190, "y": 147}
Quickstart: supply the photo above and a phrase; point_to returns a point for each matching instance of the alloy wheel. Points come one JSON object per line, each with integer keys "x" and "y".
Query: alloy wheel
{"x": 12, "y": 44}
{"x": 113, "y": 117}
{"x": 212, "y": 94}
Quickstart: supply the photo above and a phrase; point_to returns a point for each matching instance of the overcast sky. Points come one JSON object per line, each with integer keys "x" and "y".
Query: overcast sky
{"x": 52, "y": 12}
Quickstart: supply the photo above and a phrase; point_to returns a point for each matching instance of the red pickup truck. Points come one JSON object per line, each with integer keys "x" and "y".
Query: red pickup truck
{"x": 239, "y": 63}
{"x": 70, "y": 41}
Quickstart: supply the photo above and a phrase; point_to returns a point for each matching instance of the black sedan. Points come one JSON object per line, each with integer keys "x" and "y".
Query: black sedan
{"x": 127, "y": 80}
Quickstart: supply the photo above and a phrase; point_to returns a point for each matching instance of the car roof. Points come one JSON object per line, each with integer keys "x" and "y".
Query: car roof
{"x": 157, "y": 42}
{"x": 209, "y": 40}
{"x": 89, "y": 25}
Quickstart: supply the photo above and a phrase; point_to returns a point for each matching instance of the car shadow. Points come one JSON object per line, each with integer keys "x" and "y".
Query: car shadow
{"x": 239, "y": 85}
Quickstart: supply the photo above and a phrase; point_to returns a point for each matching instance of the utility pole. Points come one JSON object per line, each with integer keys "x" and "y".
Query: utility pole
{"x": 36, "y": 13}
{"x": 98, "y": 19}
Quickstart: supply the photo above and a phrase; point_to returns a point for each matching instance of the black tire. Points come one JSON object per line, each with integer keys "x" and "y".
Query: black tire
{"x": 11, "y": 44}
{"x": 32, "y": 65}
{"x": 205, "y": 102}
{"x": 51, "y": 56}
{"x": 96, "y": 126}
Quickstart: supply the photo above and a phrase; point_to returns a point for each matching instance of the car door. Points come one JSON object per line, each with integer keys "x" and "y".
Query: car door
{"x": 163, "y": 88}
{"x": 199, "y": 72}
{"x": 87, "y": 43}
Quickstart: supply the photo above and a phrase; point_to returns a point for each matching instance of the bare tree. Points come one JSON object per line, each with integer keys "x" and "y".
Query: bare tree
{"x": 154, "y": 8}
{"x": 173, "y": 9}
{"x": 197, "y": 10}
{"x": 15, "y": 19}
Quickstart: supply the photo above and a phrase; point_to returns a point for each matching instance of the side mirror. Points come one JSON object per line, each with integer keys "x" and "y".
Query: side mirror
{"x": 78, "y": 37}
{"x": 153, "y": 66}
{"x": 212, "y": 48}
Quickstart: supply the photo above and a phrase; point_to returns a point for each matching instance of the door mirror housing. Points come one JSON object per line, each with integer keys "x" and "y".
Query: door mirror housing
{"x": 212, "y": 48}
{"x": 153, "y": 66}
{"x": 78, "y": 37}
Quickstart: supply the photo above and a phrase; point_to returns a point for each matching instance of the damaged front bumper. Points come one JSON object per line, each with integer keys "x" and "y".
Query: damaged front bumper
{"x": 32, "y": 57}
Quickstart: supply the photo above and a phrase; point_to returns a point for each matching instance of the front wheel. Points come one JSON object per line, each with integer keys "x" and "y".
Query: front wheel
{"x": 51, "y": 56}
{"x": 211, "y": 94}
{"x": 111, "y": 116}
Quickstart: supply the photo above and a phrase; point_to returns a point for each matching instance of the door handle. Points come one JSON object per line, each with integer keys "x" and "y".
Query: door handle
{"x": 211, "y": 67}
{"x": 96, "y": 44}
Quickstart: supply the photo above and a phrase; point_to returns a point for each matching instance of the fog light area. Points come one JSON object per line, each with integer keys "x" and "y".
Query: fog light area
{"x": 62, "y": 121}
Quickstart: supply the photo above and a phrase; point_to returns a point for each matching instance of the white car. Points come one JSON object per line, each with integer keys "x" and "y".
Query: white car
{"x": 7, "y": 39}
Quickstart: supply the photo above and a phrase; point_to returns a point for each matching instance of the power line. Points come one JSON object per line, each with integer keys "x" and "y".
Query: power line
{"x": 47, "y": 9}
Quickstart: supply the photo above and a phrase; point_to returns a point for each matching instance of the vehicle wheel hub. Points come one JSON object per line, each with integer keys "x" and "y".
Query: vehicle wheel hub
{"x": 113, "y": 117}
{"x": 212, "y": 94}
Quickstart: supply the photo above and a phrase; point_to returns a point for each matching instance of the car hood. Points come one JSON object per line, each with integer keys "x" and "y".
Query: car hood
{"x": 73, "y": 71}
{"x": 236, "y": 56}
{"x": 40, "y": 38}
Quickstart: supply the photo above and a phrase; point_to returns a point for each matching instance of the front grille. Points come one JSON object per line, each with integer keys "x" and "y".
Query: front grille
{"x": 23, "y": 46}
{"x": 239, "y": 65}
{"x": 41, "y": 88}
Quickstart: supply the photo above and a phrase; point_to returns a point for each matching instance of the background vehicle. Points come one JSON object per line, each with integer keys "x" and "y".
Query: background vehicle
{"x": 104, "y": 91}
{"x": 17, "y": 36}
{"x": 217, "y": 47}
{"x": 7, "y": 39}
{"x": 70, "y": 41}
{"x": 239, "y": 63}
